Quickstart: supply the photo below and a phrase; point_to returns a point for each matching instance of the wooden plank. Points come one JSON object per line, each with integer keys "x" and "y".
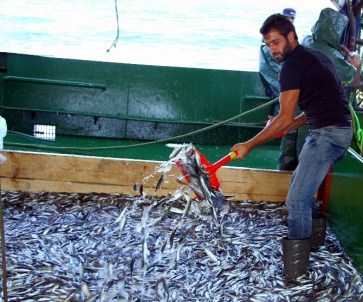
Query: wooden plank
{"x": 75, "y": 168}
{"x": 28, "y": 171}
{"x": 255, "y": 184}
{"x": 34, "y": 185}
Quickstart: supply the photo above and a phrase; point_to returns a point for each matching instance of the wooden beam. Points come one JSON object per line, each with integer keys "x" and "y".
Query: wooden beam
{"x": 35, "y": 172}
{"x": 254, "y": 184}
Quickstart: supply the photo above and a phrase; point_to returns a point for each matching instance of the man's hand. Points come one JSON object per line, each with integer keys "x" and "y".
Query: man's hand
{"x": 354, "y": 60}
{"x": 351, "y": 56}
{"x": 243, "y": 149}
{"x": 281, "y": 123}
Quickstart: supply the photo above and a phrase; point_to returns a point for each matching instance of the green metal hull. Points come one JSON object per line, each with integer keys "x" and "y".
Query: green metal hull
{"x": 120, "y": 110}
{"x": 345, "y": 207}
{"x": 125, "y": 101}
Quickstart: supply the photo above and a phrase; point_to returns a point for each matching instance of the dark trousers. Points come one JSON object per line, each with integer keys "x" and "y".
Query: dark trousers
{"x": 290, "y": 148}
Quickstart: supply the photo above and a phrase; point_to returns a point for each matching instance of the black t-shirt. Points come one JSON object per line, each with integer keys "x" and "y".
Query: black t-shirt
{"x": 322, "y": 94}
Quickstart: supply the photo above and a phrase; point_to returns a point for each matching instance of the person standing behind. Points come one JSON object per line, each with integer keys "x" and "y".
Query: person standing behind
{"x": 289, "y": 13}
{"x": 291, "y": 144}
{"x": 308, "y": 79}
{"x": 326, "y": 35}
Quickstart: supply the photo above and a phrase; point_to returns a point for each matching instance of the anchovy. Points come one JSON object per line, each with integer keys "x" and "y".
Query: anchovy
{"x": 161, "y": 218}
{"x": 132, "y": 263}
{"x": 160, "y": 181}
{"x": 187, "y": 207}
{"x": 172, "y": 235}
{"x": 58, "y": 242}
{"x": 165, "y": 287}
{"x": 163, "y": 247}
{"x": 211, "y": 256}
{"x": 194, "y": 187}
{"x": 122, "y": 215}
{"x": 176, "y": 151}
{"x": 141, "y": 189}
{"x": 123, "y": 223}
{"x": 145, "y": 251}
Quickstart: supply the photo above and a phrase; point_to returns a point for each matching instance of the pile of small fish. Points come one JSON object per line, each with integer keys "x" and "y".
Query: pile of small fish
{"x": 194, "y": 175}
{"x": 98, "y": 247}
{"x": 115, "y": 247}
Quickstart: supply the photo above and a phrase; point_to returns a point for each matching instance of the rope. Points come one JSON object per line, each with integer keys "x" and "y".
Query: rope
{"x": 166, "y": 140}
{"x": 118, "y": 29}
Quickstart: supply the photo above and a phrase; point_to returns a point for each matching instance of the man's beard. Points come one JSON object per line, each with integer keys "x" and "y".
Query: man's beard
{"x": 285, "y": 52}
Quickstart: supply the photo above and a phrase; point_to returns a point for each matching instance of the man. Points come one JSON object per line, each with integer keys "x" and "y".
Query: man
{"x": 326, "y": 35}
{"x": 289, "y": 13}
{"x": 269, "y": 68}
{"x": 308, "y": 79}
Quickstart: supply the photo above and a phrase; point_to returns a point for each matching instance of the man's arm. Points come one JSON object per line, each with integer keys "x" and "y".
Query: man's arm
{"x": 358, "y": 70}
{"x": 281, "y": 123}
{"x": 299, "y": 121}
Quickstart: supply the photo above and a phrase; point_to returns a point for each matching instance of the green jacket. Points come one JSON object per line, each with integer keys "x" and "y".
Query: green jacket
{"x": 269, "y": 69}
{"x": 326, "y": 37}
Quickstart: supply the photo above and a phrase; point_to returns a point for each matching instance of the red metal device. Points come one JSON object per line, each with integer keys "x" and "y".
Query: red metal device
{"x": 212, "y": 169}
{"x": 205, "y": 168}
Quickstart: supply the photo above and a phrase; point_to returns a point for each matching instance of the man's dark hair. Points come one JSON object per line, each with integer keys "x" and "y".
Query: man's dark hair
{"x": 280, "y": 23}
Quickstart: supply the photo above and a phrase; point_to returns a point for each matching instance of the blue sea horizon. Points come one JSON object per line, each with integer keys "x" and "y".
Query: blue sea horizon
{"x": 187, "y": 33}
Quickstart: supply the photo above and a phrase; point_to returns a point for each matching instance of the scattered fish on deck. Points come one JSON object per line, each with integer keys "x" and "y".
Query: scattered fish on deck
{"x": 114, "y": 247}
{"x": 70, "y": 247}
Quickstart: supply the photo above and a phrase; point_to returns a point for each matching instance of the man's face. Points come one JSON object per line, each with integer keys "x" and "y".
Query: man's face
{"x": 278, "y": 45}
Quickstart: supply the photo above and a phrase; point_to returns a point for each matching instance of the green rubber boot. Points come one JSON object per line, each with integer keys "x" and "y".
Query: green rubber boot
{"x": 296, "y": 254}
{"x": 318, "y": 232}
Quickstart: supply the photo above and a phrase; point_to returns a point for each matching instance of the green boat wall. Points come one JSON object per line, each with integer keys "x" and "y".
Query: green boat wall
{"x": 127, "y": 101}
{"x": 101, "y": 104}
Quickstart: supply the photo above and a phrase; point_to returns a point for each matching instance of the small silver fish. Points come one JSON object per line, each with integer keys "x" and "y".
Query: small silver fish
{"x": 160, "y": 181}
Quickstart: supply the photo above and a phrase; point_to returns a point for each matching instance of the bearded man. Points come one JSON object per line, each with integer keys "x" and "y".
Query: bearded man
{"x": 308, "y": 79}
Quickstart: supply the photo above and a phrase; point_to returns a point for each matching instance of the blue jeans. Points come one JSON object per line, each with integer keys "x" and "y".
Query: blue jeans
{"x": 322, "y": 149}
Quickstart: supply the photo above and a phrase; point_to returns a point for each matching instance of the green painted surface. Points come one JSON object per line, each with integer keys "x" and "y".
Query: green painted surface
{"x": 263, "y": 157}
{"x": 346, "y": 207}
{"x": 128, "y": 101}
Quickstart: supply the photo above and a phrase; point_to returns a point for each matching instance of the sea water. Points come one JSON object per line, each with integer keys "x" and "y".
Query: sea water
{"x": 221, "y": 34}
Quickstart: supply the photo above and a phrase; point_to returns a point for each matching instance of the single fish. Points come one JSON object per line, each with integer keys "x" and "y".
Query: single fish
{"x": 160, "y": 181}
{"x": 141, "y": 189}
{"x": 212, "y": 256}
